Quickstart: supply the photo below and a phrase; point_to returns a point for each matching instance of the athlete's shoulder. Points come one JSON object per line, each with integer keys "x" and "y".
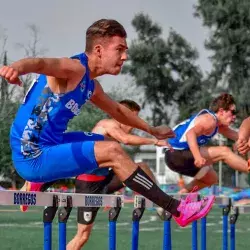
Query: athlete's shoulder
{"x": 108, "y": 123}
{"x": 103, "y": 126}
{"x": 206, "y": 121}
{"x": 76, "y": 63}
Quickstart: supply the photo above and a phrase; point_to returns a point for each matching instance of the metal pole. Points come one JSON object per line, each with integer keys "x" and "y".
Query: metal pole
{"x": 220, "y": 164}
{"x": 167, "y": 244}
{"x": 137, "y": 215}
{"x": 233, "y": 218}
{"x": 48, "y": 216}
{"x": 204, "y": 233}
{"x": 63, "y": 215}
{"x": 113, "y": 215}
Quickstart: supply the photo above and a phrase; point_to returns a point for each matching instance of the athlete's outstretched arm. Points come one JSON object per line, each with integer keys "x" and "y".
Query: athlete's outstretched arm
{"x": 63, "y": 68}
{"x": 124, "y": 115}
{"x": 244, "y": 131}
{"x": 228, "y": 133}
{"x": 243, "y": 142}
{"x": 128, "y": 139}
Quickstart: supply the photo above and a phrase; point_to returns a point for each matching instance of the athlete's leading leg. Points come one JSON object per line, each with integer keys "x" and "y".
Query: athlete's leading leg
{"x": 79, "y": 157}
{"x": 223, "y": 153}
{"x": 213, "y": 155}
{"x": 110, "y": 154}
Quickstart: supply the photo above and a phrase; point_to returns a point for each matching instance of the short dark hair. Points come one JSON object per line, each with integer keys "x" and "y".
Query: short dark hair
{"x": 103, "y": 28}
{"x": 224, "y": 101}
{"x": 132, "y": 105}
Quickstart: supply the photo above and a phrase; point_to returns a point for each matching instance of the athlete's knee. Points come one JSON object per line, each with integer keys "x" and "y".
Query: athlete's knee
{"x": 224, "y": 151}
{"x": 143, "y": 165}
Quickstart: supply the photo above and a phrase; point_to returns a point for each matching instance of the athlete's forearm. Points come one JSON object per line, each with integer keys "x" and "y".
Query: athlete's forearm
{"x": 118, "y": 111}
{"x": 138, "y": 140}
{"x": 229, "y": 133}
{"x": 125, "y": 116}
{"x": 233, "y": 135}
{"x": 192, "y": 143}
{"x": 244, "y": 131}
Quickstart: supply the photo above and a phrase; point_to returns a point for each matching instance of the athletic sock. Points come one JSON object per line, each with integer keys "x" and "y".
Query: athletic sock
{"x": 140, "y": 182}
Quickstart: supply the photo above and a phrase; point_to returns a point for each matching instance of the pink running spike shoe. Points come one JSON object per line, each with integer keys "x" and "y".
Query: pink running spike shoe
{"x": 191, "y": 210}
{"x": 30, "y": 186}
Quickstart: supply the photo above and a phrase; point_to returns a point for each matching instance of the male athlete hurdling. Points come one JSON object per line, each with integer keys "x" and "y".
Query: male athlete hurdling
{"x": 101, "y": 180}
{"x": 42, "y": 150}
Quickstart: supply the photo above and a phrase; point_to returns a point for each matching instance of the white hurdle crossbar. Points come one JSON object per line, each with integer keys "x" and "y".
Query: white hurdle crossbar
{"x": 46, "y": 199}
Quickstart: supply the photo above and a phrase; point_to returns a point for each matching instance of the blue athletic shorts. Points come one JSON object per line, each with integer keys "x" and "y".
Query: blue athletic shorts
{"x": 73, "y": 157}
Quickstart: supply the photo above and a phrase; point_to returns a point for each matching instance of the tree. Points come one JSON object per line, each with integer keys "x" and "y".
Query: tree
{"x": 31, "y": 49}
{"x": 7, "y": 111}
{"x": 228, "y": 22}
{"x": 165, "y": 70}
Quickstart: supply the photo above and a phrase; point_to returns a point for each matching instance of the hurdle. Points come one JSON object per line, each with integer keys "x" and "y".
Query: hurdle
{"x": 63, "y": 204}
{"x": 236, "y": 211}
{"x": 140, "y": 203}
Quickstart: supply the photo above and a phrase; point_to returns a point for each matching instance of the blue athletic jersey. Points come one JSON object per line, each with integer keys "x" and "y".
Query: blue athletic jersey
{"x": 180, "y": 141}
{"x": 43, "y": 116}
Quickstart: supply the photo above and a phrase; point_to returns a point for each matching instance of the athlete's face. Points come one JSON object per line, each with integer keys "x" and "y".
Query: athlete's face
{"x": 229, "y": 116}
{"x": 113, "y": 54}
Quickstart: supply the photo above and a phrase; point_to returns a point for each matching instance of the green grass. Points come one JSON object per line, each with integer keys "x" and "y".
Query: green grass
{"x": 25, "y": 231}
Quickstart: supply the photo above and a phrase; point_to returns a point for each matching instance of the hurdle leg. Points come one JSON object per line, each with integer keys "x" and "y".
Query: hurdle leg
{"x": 136, "y": 217}
{"x": 167, "y": 242}
{"x": 113, "y": 215}
{"x": 203, "y": 233}
{"x": 63, "y": 215}
{"x": 225, "y": 212}
{"x": 48, "y": 216}
{"x": 233, "y": 218}
{"x": 194, "y": 236}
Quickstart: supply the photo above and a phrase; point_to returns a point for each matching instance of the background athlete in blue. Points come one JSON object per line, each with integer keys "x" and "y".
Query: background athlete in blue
{"x": 190, "y": 157}
{"x": 42, "y": 151}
